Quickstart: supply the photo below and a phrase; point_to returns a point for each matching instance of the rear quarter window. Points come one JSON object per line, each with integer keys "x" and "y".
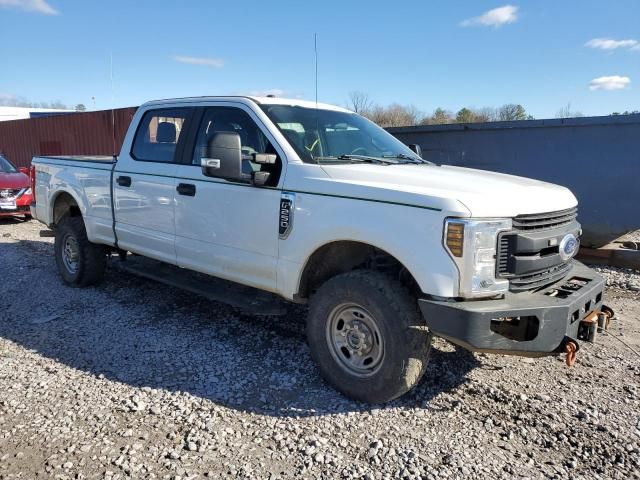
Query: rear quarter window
{"x": 158, "y": 135}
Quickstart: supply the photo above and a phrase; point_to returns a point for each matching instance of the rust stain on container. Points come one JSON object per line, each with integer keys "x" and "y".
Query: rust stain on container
{"x": 85, "y": 133}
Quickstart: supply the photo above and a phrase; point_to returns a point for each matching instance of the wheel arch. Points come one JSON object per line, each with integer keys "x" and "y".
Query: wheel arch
{"x": 341, "y": 256}
{"x": 63, "y": 203}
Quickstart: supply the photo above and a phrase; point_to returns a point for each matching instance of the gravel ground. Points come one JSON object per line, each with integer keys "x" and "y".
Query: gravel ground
{"x": 135, "y": 379}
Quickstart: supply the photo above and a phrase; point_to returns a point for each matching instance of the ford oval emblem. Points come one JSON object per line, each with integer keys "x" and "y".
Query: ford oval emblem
{"x": 568, "y": 246}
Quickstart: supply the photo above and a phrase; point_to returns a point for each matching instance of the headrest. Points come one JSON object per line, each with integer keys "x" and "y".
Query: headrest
{"x": 166, "y": 132}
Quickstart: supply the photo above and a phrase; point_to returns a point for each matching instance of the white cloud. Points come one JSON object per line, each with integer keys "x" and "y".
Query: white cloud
{"x": 611, "y": 44}
{"x": 612, "y": 82}
{"x": 207, "y": 62}
{"x": 35, "y": 6}
{"x": 493, "y": 18}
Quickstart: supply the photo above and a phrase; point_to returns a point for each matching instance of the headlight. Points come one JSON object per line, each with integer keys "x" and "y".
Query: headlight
{"x": 472, "y": 245}
{"x": 27, "y": 191}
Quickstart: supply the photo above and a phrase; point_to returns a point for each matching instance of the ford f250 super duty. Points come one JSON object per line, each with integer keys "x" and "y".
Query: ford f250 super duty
{"x": 314, "y": 203}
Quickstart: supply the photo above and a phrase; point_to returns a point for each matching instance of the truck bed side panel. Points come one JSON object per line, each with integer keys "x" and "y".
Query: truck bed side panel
{"x": 87, "y": 181}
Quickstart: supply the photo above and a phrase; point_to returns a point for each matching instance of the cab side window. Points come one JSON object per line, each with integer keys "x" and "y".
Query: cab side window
{"x": 252, "y": 140}
{"x": 158, "y": 135}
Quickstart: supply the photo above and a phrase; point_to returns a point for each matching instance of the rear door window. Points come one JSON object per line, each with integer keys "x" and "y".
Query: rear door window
{"x": 158, "y": 135}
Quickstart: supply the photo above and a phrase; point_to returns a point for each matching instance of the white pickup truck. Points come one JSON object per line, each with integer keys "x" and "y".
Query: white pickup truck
{"x": 314, "y": 203}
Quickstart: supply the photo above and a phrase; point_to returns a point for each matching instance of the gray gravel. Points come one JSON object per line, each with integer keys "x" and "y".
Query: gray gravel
{"x": 135, "y": 379}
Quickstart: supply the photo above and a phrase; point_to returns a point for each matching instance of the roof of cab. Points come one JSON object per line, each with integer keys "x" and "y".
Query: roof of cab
{"x": 247, "y": 99}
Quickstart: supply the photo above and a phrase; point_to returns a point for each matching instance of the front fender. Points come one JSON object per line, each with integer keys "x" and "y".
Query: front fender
{"x": 412, "y": 235}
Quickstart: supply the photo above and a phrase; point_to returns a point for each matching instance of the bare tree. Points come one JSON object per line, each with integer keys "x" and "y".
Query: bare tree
{"x": 512, "y": 111}
{"x": 486, "y": 114}
{"x": 395, "y": 115}
{"x": 359, "y": 102}
{"x": 566, "y": 112}
{"x": 13, "y": 101}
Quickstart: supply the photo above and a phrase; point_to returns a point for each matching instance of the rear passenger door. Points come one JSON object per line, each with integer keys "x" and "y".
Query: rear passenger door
{"x": 144, "y": 185}
{"x": 225, "y": 228}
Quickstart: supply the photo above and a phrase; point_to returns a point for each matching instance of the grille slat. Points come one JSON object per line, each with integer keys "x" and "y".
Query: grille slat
{"x": 540, "y": 221}
{"x": 540, "y": 279}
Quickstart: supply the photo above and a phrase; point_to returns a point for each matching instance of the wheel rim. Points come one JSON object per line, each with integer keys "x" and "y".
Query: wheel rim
{"x": 355, "y": 340}
{"x": 70, "y": 254}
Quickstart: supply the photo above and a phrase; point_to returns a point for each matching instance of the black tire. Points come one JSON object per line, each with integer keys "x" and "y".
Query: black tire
{"x": 405, "y": 338}
{"x": 90, "y": 260}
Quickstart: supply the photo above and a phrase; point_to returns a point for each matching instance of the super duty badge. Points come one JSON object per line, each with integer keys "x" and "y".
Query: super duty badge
{"x": 287, "y": 201}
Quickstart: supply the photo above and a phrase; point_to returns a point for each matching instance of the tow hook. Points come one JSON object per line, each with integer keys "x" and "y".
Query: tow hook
{"x": 571, "y": 349}
{"x": 594, "y": 323}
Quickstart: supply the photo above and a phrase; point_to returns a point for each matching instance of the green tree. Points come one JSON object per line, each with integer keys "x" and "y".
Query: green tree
{"x": 80, "y": 108}
{"x": 440, "y": 116}
{"x": 465, "y": 115}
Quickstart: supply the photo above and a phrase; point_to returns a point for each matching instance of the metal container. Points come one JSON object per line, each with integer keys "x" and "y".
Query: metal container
{"x": 85, "y": 133}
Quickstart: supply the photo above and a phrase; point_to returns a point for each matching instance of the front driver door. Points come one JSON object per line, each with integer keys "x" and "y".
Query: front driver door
{"x": 223, "y": 228}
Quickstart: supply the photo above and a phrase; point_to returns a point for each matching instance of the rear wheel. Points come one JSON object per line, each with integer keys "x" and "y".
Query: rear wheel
{"x": 80, "y": 262}
{"x": 367, "y": 336}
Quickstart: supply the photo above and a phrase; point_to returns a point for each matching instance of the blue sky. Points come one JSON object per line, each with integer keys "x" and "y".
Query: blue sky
{"x": 540, "y": 53}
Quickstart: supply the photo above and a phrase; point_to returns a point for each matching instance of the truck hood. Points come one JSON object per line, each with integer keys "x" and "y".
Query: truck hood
{"x": 13, "y": 181}
{"x": 483, "y": 193}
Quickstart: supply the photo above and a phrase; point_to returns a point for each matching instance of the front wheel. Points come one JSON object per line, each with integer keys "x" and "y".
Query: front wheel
{"x": 367, "y": 336}
{"x": 80, "y": 262}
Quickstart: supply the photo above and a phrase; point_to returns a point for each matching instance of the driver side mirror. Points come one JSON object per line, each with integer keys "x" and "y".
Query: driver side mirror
{"x": 24, "y": 170}
{"x": 415, "y": 148}
{"x": 224, "y": 158}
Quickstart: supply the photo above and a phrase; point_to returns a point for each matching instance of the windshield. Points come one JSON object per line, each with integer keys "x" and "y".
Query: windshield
{"x": 5, "y": 166}
{"x": 332, "y": 136}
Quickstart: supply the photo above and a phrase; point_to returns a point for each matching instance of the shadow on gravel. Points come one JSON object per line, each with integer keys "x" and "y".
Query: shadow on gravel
{"x": 146, "y": 334}
{"x": 13, "y": 220}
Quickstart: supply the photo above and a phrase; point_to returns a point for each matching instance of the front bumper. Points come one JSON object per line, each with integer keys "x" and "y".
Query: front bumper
{"x": 528, "y": 323}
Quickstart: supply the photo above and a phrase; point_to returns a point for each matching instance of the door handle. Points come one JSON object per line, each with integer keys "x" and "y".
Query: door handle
{"x": 124, "y": 181}
{"x": 187, "y": 189}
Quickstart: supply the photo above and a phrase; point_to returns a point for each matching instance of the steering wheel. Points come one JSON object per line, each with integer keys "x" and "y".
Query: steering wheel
{"x": 359, "y": 151}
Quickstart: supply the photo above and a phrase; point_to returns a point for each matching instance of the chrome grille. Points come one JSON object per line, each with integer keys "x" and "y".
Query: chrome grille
{"x": 541, "y": 221}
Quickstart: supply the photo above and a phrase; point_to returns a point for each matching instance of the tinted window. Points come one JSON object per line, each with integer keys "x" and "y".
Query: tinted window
{"x": 228, "y": 119}
{"x": 252, "y": 140}
{"x": 158, "y": 135}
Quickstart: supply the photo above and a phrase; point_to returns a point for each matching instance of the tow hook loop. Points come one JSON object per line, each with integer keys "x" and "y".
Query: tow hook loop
{"x": 589, "y": 327}
{"x": 604, "y": 318}
{"x": 571, "y": 349}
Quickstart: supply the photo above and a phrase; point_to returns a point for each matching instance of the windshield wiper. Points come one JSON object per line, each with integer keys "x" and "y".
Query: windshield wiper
{"x": 357, "y": 158}
{"x": 404, "y": 156}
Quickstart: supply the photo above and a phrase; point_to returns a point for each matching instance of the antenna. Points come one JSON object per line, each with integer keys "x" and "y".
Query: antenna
{"x": 113, "y": 113}
{"x": 315, "y": 47}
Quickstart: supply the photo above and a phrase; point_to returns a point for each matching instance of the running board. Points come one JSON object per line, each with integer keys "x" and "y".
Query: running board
{"x": 249, "y": 300}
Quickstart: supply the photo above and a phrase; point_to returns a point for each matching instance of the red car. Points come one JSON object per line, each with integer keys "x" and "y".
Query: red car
{"x": 15, "y": 190}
